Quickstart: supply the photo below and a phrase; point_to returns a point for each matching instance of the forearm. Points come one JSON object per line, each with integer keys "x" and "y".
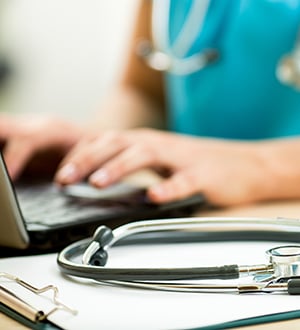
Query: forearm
{"x": 281, "y": 166}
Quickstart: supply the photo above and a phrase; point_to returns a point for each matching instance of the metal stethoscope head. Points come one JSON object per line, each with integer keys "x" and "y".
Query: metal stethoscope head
{"x": 280, "y": 274}
{"x": 161, "y": 61}
{"x": 288, "y": 69}
{"x": 161, "y": 55}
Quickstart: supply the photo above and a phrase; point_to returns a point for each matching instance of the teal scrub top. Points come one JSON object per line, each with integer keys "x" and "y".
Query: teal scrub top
{"x": 239, "y": 95}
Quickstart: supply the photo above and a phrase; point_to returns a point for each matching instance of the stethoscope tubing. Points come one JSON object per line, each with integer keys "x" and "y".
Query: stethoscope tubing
{"x": 138, "y": 274}
{"x": 209, "y": 225}
{"x": 292, "y": 287}
{"x": 162, "y": 56}
{"x": 159, "y": 279}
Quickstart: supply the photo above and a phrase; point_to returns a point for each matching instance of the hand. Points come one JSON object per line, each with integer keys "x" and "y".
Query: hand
{"x": 226, "y": 172}
{"x": 35, "y": 142}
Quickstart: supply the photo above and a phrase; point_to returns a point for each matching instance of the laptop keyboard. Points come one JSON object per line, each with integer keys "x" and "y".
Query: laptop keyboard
{"x": 46, "y": 205}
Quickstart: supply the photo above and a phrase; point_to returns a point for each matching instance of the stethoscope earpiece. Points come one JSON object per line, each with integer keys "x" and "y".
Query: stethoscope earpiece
{"x": 99, "y": 258}
{"x": 96, "y": 254}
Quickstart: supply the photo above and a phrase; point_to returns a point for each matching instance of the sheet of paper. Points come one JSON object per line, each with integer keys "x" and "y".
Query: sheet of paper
{"x": 110, "y": 307}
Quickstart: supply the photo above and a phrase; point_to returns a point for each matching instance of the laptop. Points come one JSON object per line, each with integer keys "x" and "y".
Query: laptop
{"x": 37, "y": 216}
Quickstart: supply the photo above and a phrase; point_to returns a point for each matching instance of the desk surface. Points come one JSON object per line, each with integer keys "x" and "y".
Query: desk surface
{"x": 289, "y": 209}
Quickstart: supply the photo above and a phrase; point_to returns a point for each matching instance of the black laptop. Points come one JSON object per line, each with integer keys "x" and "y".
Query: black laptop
{"x": 37, "y": 216}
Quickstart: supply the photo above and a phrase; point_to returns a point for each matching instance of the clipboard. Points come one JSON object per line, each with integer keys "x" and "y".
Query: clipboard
{"x": 46, "y": 325}
{"x": 138, "y": 309}
{"x": 23, "y": 312}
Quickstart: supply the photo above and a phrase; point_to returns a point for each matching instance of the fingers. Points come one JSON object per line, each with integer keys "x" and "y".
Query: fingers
{"x": 89, "y": 155}
{"x": 109, "y": 157}
{"x": 16, "y": 155}
{"x": 180, "y": 185}
{"x": 131, "y": 159}
{"x": 17, "y": 149}
{"x": 7, "y": 126}
{"x": 18, "y": 152}
{"x": 25, "y": 136}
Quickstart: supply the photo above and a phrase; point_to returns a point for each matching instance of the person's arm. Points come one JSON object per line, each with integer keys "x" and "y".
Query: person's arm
{"x": 35, "y": 142}
{"x": 138, "y": 98}
{"x": 281, "y": 167}
{"x": 227, "y": 172}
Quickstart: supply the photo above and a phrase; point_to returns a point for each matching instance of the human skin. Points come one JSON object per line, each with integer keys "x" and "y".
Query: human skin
{"x": 135, "y": 101}
{"x": 227, "y": 172}
{"x": 113, "y": 144}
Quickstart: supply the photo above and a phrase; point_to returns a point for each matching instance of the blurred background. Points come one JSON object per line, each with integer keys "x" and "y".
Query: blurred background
{"x": 61, "y": 56}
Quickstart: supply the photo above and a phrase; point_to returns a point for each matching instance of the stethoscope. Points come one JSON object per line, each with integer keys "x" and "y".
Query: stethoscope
{"x": 161, "y": 56}
{"x": 280, "y": 274}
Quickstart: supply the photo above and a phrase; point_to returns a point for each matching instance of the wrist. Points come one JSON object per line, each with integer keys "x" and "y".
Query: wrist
{"x": 280, "y": 166}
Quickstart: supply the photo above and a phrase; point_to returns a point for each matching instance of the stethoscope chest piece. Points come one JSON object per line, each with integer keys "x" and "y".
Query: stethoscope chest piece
{"x": 285, "y": 261}
{"x": 288, "y": 70}
{"x": 161, "y": 61}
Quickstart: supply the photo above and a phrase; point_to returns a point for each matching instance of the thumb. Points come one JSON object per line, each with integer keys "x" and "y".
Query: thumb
{"x": 178, "y": 186}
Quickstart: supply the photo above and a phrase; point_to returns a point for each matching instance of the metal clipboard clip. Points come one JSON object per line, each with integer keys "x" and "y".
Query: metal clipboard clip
{"x": 18, "y": 305}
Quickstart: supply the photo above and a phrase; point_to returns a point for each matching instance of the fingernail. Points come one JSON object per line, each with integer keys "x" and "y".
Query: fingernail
{"x": 100, "y": 177}
{"x": 67, "y": 173}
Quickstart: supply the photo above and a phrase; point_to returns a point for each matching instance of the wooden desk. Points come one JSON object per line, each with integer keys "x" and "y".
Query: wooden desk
{"x": 290, "y": 209}
{"x": 7, "y": 323}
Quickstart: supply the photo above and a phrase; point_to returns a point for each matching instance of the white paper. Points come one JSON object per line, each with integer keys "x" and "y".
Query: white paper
{"x": 110, "y": 307}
